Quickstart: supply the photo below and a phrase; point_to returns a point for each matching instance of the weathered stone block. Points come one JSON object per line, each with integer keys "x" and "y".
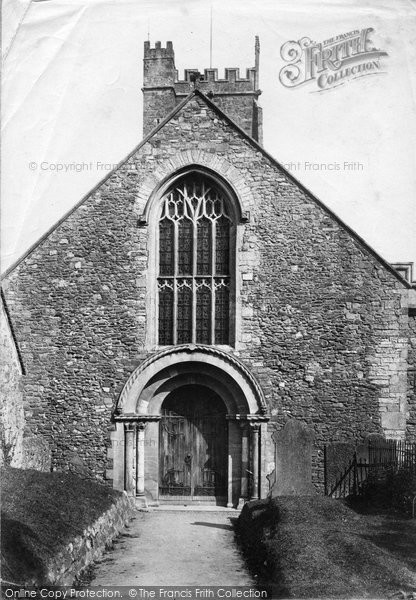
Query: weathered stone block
{"x": 393, "y": 420}
{"x": 293, "y": 460}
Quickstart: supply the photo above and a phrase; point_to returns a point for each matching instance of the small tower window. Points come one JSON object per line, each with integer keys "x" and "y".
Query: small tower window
{"x": 194, "y": 273}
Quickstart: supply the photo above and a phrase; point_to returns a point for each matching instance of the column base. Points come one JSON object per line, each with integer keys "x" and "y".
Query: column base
{"x": 241, "y": 503}
{"x": 141, "y": 503}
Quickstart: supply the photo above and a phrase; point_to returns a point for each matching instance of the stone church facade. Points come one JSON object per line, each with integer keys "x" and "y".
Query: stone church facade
{"x": 197, "y": 301}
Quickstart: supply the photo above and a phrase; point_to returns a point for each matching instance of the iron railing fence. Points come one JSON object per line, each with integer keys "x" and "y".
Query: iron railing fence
{"x": 375, "y": 461}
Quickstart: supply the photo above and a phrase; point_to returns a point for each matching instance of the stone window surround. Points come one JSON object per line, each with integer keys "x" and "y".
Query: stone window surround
{"x": 211, "y": 208}
{"x": 151, "y": 218}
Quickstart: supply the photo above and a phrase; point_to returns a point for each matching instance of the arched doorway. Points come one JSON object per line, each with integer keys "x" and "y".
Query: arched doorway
{"x": 193, "y": 446}
{"x": 182, "y": 383}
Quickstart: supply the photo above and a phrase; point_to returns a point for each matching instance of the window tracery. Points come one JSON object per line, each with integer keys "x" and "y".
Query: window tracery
{"x": 194, "y": 279}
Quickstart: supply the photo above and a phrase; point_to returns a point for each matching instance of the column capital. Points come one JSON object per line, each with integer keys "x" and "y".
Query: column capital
{"x": 129, "y": 426}
{"x": 248, "y": 418}
{"x": 255, "y": 426}
{"x": 134, "y": 417}
{"x": 141, "y": 425}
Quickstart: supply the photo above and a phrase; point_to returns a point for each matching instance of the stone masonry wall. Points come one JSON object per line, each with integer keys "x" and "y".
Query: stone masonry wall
{"x": 12, "y": 418}
{"x": 322, "y": 323}
{"x": 411, "y": 422}
{"x": 157, "y": 104}
{"x": 19, "y": 448}
{"x": 82, "y": 551}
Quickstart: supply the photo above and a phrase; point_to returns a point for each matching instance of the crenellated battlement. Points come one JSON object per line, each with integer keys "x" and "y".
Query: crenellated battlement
{"x": 234, "y": 94}
{"x": 231, "y": 75}
{"x": 158, "y": 51}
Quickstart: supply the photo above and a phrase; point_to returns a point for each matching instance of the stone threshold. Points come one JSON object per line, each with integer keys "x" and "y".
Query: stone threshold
{"x": 188, "y": 508}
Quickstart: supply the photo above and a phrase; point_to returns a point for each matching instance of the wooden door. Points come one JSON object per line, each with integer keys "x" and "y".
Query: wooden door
{"x": 193, "y": 437}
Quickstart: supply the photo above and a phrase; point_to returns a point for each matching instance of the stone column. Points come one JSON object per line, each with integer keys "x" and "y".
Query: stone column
{"x": 244, "y": 460}
{"x": 230, "y": 467}
{"x": 141, "y": 426}
{"x": 129, "y": 434}
{"x": 255, "y": 430}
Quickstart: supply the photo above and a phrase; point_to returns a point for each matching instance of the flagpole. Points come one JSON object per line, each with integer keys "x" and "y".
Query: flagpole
{"x": 210, "y": 41}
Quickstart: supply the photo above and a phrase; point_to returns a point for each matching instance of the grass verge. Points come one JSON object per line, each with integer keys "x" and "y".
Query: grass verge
{"x": 316, "y": 547}
{"x": 40, "y": 514}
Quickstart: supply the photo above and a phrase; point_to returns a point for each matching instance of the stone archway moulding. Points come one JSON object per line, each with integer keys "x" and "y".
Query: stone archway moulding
{"x": 189, "y": 159}
{"x": 187, "y": 375}
{"x": 223, "y": 361}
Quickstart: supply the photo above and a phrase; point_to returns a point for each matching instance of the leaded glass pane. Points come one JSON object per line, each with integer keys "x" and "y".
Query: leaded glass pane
{"x": 171, "y": 207}
{"x": 222, "y": 246}
{"x": 203, "y": 259}
{"x": 185, "y": 244}
{"x": 222, "y": 316}
{"x": 184, "y": 329}
{"x": 198, "y": 188}
{"x": 165, "y": 316}
{"x": 203, "y": 315}
{"x": 190, "y": 276}
{"x": 166, "y": 256}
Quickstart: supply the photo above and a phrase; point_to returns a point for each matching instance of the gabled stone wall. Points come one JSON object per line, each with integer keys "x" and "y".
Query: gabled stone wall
{"x": 321, "y": 321}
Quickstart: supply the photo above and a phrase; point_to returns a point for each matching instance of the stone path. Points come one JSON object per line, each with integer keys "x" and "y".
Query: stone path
{"x": 166, "y": 548}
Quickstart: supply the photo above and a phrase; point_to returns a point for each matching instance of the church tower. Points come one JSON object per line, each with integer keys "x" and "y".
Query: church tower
{"x": 163, "y": 90}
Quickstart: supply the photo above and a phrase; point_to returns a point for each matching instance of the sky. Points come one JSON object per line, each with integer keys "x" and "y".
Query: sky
{"x": 71, "y": 103}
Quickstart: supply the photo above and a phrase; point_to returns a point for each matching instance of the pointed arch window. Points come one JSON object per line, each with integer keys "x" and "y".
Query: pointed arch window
{"x": 194, "y": 276}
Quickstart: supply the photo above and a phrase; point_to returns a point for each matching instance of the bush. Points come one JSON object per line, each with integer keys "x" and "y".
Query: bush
{"x": 390, "y": 489}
